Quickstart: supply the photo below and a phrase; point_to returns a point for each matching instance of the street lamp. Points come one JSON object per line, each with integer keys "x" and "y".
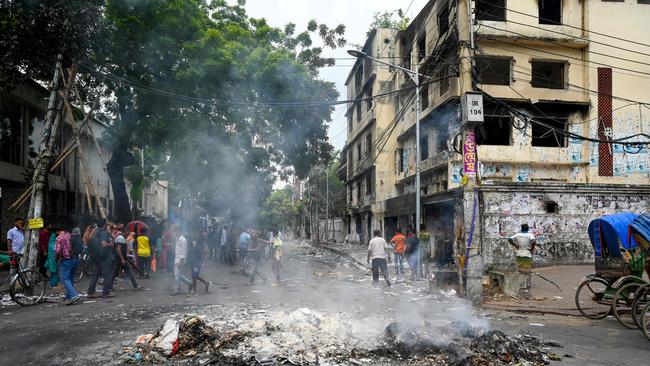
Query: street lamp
{"x": 415, "y": 76}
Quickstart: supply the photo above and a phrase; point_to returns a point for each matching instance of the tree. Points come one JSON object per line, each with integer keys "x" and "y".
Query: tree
{"x": 395, "y": 19}
{"x": 278, "y": 211}
{"x": 33, "y": 33}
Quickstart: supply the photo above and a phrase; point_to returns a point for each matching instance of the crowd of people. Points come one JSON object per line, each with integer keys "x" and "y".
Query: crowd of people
{"x": 403, "y": 247}
{"x": 110, "y": 252}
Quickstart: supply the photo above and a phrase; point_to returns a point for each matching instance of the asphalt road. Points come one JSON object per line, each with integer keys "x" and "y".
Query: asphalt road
{"x": 93, "y": 332}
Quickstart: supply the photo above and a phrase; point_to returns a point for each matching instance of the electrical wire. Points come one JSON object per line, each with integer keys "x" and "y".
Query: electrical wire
{"x": 566, "y": 25}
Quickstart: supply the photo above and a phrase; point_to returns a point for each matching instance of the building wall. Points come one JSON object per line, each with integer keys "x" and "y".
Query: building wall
{"x": 562, "y": 234}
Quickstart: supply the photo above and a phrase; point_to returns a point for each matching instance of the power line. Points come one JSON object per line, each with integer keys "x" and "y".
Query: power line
{"x": 565, "y": 25}
{"x": 244, "y": 103}
{"x": 566, "y": 56}
{"x": 567, "y": 46}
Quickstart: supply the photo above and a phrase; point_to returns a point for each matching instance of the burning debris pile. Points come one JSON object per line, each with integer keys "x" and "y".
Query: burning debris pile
{"x": 307, "y": 337}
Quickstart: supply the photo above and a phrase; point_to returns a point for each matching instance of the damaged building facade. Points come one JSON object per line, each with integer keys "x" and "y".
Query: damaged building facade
{"x": 558, "y": 82}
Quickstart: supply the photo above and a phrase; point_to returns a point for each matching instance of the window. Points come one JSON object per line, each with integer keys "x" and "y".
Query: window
{"x": 358, "y": 76}
{"x": 424, "y": 97}
{"x": 350, "y": 193}
{"x": 358, "y": 192}
{"x": 422, "y": 46}
{"x": 550, "y": 11}
{"x": 368, "y": 184}
{"x": 400, "y": 160}
{"x": 443, "y": 20}
{"x": 493, "y": 70}
{"x": 443, "y": 80}
{"x": 496, "y": 131}
{"x": 424, "y": 147}
{"x": 11, "y": 132}
{"x": 441, "y": 141}
{"x": 546, "y": 132}
{"x": 369, "y": 99}
{"x": 368, "y": 143}
{"x": 358, "y": 151}
{"x": 643, "y": 1}
{"x": 548, "y": 74}
{"x": 350, "y": 120}
{"x": 358, "y": 107}
{"x": 491, "y": 10}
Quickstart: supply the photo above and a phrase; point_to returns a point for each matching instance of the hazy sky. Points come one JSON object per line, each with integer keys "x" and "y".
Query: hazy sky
{"x": 355, "y": 14}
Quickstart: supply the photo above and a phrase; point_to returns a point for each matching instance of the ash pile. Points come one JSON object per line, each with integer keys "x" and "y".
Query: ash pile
{"x": 308, "y": 337}
{"x": 460, "y": 343}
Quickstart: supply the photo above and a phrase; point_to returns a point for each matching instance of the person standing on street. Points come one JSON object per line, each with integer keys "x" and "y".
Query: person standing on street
{"x": 180, "y": 256}
{"x": 412, "y": 250}
{"x": 67, "y": 252}
{"x": 256, "y": 252}
{"x": 52, "y": 264}
{"x": 16, "y": 237}
{"x": 122, "y": 262}
{"x": 43, "y": 241}
{"x": 196, "y": 259}
{"x": 100, "y": 246}
{"x": 276, "y": 256}
{"x": 377, "y": 251}
{"x": 144, "y": 254}
{"x": 167, "y": 239}
{"x": 524, "y": 244}
{"x": 399, "y": 242}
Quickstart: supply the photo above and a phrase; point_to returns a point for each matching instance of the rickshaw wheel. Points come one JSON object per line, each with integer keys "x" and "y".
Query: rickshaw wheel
{"x": 644, "y": 320}
{"x": 590, "y": 298}
{"x": 641, "y": 299}
{"x": 622, "y": 304}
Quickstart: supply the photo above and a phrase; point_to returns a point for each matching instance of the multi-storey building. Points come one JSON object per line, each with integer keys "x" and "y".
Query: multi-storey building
{"x": 368, "y": 174}
{"x": 560, "y": 80}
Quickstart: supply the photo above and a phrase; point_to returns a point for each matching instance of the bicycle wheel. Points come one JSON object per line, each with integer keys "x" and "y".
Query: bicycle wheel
{"x": 641, "y": 299}
{"x": 622, "y": 304}
{"x": 644, "y": 320}
{"x": 590, "y": 298}
{"x": 27, "y": 287}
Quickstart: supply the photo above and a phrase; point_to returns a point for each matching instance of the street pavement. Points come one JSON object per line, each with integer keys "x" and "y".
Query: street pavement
{"x": 93, "y": 332}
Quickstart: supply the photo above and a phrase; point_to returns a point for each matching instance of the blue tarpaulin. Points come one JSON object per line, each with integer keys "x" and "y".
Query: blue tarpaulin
{"x": 608, "y": 232}
{"x": 641, "y": 225}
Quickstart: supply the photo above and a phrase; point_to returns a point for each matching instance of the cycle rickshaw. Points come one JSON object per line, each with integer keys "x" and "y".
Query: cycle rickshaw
{"x": 619, "y": 264}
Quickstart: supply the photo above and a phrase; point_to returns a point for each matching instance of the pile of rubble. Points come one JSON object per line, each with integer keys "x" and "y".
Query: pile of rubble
{"x": 304, "y": 337}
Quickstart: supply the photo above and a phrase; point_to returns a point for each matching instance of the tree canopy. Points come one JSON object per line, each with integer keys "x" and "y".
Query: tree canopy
{"x": 395, "y": 19}
{"x": 221, "y": 103}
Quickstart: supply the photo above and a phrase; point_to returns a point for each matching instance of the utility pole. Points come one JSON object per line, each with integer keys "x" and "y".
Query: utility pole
{"x": 471, "y": 269}
{"x": 327, "y": 204}
{"x": 44, "y": 159}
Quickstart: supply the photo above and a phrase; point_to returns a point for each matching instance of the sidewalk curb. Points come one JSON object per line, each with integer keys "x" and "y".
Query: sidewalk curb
{"x": 531, "y": 310}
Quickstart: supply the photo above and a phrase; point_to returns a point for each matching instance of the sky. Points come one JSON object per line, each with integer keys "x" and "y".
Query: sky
{"x": 355, "y": 14}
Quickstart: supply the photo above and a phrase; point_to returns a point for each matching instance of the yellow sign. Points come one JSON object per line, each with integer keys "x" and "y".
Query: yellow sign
{"x": 36, "y": 223}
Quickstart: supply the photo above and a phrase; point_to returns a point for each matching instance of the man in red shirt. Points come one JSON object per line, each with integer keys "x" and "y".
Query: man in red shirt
{"x": 399, "y": 243}
{"x": 43, "y": 242}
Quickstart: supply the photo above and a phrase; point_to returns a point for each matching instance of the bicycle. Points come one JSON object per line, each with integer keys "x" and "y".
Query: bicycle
{"x": 85, "y": 266}
{"x": 26, "y": 286}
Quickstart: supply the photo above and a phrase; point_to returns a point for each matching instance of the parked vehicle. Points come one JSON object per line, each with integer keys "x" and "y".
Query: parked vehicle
{"x": 619, "y": 265}
{"x": 26, "y": 286}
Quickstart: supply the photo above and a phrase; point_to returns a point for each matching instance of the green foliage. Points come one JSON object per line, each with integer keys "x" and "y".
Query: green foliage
{"x": 395, "y": 19}
{"x": 278, "y": 211}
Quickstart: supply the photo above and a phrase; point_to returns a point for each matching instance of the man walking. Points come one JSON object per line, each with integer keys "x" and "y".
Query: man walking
{"x": 67, "y": 252}
{"x": 256, "y": 251}
{"x": 399, "y": 242}
{"x": 180, "y": 256}
{"x": 101, "y": 248}
{"x": 122, "y": 262}
{"x": 377, "y": 251}
{"x": 43, "y": 241}
{"x": 412, "y": 252}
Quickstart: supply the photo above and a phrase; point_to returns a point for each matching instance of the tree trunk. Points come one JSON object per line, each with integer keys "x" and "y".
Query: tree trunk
{"x": 120, "y": 160}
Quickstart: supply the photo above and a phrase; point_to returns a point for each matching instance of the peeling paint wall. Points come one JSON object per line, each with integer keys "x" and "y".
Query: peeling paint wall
{"x": 562, "y": 236}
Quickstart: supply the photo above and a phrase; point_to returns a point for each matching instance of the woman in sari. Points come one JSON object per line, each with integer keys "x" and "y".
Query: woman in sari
{"x": 51, "y": 264}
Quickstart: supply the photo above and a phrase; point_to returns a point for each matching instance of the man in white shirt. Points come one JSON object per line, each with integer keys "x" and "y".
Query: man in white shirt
{"x": 180, "y": 254}
{"x": 377, "y": 249}
{"x": 524, "y": 244}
